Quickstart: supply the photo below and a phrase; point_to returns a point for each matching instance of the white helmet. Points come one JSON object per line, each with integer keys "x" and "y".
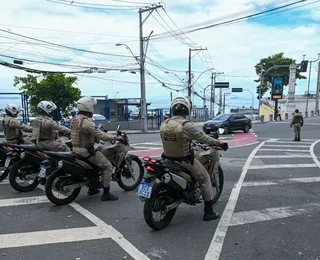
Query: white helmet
{"x": 181, "y": 104}
{"x": 86, "y": 104}
{"x": 47, "y": 106}
{"x": 13, "y": 110}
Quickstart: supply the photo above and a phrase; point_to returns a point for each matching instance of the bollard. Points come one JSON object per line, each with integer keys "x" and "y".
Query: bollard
{"x": 306, "y": 114}
{"x": 262, "y": 118}
{"x": 317, "y": 112}
{"x": 312, "y": 113}
{"x": 286, "y": 116}
{"x": 271, "y": 117}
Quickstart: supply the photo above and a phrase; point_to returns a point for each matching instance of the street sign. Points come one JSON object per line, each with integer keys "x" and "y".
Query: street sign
{"x": 277, "y": 88}
{"x": 237, "y": 90}
{"x": 221, "y": 85}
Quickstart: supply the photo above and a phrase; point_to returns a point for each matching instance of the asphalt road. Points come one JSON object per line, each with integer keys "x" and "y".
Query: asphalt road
{"x": 270, "y": 206}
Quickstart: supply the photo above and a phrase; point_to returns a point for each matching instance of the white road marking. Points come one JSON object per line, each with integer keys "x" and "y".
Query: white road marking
{"x": 270, "y": 139}
{"x": 314, "y": 157}
{"x": 286, "y": 145}
{"x": 216, "y": 244}
{"x": 51, "y": 237}
{"x": 292, "y": 142}
{"x": 288, "y": 150}
{"x": 284, "y": 181}
{"x": 253, "y": 216}
{"x": 276, "y": 166}
{"x": 111, "y": 232}
{"x": 5, "y": 182}
{"x": 283, "y": 156}
{"x": 23, "y": 201}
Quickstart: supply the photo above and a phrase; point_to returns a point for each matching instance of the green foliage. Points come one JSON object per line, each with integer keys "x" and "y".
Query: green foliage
{"x": 55, "y": 87}
{"x": 267, "y": 63}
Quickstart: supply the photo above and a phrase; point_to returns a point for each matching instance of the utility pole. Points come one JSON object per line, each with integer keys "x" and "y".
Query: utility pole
{"x": 143, "y": 101}
{"x": 189, "y": 70}
{"x": 213, "y": 92}
{"x": 309, "y": 83}
{"x": 317, "y": 91}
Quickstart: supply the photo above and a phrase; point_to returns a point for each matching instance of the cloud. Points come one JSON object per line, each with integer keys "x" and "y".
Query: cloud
{"x": 234, "y": 49}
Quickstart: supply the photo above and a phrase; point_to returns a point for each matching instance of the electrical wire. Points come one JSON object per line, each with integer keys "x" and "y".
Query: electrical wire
{"x": 240, "y": 19}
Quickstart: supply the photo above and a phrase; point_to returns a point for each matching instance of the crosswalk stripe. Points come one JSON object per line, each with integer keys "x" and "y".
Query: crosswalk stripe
{"x": 282, "y": 156}
{"x": 288, "y": 150}
{"x": 23, "y": 201}
{"x": 278, "y": 166}
{"x": 253, "y": 216}
{"x": 284, "y": 181}
{"x": 286, "y": 145}
{"x": 51, "y": 237}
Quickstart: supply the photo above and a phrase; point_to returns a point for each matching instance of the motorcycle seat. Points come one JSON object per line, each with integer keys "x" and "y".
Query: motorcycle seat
{"x": 29, "y": 147}
{"x": 69, "y": 155}
{"x": 175, "y": 165}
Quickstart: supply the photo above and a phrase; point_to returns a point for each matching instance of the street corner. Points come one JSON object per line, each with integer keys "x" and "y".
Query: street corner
{"x": 243, "y": 139}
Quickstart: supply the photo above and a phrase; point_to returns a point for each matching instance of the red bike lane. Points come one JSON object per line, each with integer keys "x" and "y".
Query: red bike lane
{"x": 239, "y": 139}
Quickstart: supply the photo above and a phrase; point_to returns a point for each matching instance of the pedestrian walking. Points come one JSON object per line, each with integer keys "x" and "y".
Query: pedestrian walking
{"x": 297, "y": 123}
{"x": 279, "y": 113}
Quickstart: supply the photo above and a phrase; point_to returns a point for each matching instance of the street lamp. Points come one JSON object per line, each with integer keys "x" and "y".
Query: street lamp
{"x": 169, "y": 72}
{"x": 116, "y": 94}
{"x": 252, "y": 98}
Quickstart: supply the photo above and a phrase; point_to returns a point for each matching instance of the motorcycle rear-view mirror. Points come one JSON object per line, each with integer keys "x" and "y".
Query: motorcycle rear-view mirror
{"x": 220, "y": 131}
{"x": 100, "y": 126}
{"x": 118, "y": 128}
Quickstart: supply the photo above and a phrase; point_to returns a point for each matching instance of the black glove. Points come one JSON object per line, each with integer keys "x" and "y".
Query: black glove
{"x": 225, "y": 146}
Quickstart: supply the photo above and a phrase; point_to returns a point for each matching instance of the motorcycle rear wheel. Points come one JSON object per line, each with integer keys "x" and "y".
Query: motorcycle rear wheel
{"x": 159, "y": 191}
{"x": 50, "y": 185}
{"x": 20, "y": 170}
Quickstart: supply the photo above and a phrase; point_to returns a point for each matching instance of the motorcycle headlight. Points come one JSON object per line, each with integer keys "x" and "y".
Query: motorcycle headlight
{"x": 22, "y": 155}
{"x": 60, "y": 164}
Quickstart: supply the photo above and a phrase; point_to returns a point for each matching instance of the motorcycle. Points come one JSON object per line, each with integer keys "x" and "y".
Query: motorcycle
{"x": 26, "y": 172}
{"x": 8, "y": 156}
{"x": 167, "y": 184}
{"x": 74, "y": 171}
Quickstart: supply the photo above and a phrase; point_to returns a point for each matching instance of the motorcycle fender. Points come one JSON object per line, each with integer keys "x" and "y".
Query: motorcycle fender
{"x": 131, "y": 156}
{"x": 32, "y": 158}
{"x": 71, "y": 167}
{"x": 179, "y": 180}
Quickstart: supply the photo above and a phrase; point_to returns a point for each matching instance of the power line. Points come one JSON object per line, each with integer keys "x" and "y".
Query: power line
{"x": 234, "y": 20}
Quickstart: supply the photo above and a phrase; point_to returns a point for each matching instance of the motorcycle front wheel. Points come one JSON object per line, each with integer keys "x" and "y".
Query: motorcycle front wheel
{"x": 154, "y": 214}
{"x": 217, "y": 190}
{"x": 128, "y": 181}
{"x": 19, "y": 173}
{"x": 55, "y": 184}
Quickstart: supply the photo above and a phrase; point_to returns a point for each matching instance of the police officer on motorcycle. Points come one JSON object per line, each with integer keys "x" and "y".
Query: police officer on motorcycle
{"x": 176, "y": 134}
{"x": 45, "y": 129}
{"x": 12, "y": 128}
{"x": 84, "y": 134}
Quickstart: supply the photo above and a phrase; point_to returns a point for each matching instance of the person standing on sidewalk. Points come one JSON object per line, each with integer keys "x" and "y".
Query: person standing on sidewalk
{"x": 297, "y": 123}
{"x": 279, "y": 113}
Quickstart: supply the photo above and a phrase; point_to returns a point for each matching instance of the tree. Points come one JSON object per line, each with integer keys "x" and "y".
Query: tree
{"x": 55, "y": 87}
{"x": 266, "y": 63}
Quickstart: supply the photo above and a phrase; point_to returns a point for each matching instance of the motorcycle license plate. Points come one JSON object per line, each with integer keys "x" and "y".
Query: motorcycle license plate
{"x": 42, "y": 173}
{"x": 6, "y": 164}
{"x": 145, "y": 190}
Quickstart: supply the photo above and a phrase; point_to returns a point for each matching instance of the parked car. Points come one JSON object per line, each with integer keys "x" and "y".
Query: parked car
{"x": 229, "y": 122}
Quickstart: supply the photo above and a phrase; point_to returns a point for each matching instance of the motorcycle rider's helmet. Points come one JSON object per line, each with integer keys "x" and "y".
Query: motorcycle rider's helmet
{"x": 86, "y": 104}
{"x": 12, "y": 110}
{"x": 181, "y": 104}
{"x": 46, "y": 107}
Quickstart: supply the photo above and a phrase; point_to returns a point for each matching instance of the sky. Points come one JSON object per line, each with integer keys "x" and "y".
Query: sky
{"x": 89, "y": 25}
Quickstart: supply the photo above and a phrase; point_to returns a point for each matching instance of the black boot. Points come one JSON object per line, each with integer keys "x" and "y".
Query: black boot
{"x": 298, "y": 139}
{"x": 93, "y": 186}
{"x": 93, "y": 191}
{"x": 107, "y": 195}
{"x": 295, "y": 139}
{"x": 209, "y": 214}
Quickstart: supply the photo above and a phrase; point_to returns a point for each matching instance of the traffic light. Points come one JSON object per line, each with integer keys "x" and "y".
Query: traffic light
{"x": 304, "y": 66}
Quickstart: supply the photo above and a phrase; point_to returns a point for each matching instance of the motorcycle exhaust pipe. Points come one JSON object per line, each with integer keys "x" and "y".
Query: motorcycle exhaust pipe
{"x": 166, "y": 178}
